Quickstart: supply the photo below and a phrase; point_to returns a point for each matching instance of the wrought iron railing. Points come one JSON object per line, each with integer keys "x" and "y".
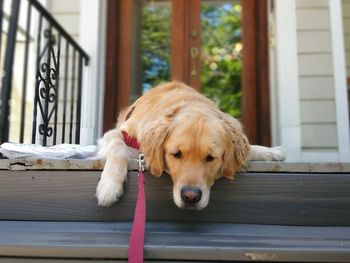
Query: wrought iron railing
{"x": 53, "y": 92}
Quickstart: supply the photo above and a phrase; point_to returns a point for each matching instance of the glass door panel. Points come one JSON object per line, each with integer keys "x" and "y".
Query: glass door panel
{"x": 221, "y": 48}
{"x": 155, "y": 43}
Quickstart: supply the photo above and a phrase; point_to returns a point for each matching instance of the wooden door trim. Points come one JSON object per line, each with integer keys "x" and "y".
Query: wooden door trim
{"x": 255, "y": 76}
{"x": 118, "y": 60}
{"x": 111, "y": 80}
{"x": 263, "y": 76}
{"x": 184, "y": 22}
{"x": 249, "y": 116}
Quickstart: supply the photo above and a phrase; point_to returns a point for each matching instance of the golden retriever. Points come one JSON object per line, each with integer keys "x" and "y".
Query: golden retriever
{"x": 182, "y": 133}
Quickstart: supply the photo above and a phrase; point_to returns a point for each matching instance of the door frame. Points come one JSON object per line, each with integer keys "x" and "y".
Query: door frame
{"x": 118, "y": 60}
{"x": 255, "y": 75}
{"x": 186, "y": 33}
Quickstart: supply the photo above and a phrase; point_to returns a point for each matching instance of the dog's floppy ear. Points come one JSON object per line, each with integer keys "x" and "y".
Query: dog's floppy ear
{"x": 237, "y": 146}
{"x": 153, "y": 139}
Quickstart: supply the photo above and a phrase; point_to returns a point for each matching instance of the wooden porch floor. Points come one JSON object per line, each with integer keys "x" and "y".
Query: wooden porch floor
{"x": 276, "y": 212}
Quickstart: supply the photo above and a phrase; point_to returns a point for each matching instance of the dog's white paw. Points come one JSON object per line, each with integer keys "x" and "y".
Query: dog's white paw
{"x": 277, "y": 154}
{"x": 108, "y": 191}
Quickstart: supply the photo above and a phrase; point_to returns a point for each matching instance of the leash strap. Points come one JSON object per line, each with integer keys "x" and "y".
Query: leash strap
{"x": 137, "y": 236}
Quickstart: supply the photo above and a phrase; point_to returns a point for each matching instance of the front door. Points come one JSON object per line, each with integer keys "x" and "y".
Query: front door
{"x": 217, "y": 47}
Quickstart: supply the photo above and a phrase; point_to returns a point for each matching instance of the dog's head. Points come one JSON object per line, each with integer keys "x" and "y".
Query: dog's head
{"x": 195, "y": 149}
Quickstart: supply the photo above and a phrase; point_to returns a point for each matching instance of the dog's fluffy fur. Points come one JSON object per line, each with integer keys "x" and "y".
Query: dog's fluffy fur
{"x": 182, "y": 133}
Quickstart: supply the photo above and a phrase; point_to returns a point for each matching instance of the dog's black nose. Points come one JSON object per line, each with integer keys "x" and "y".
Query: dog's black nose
{"x": 191, "y": 195}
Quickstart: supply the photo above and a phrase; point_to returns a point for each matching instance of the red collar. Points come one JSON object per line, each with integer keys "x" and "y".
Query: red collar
{"x": 130, "y": 141}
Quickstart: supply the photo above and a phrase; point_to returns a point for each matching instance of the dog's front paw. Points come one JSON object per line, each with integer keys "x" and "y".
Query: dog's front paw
{"x": 108, "y": 191}
{"x": 278, "y": 154}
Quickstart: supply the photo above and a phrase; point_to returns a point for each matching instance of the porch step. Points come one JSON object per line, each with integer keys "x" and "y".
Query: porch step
{"x": 291, "y": 213}
{"x": 313, "y": 199}
{"x": 175, "y": 241}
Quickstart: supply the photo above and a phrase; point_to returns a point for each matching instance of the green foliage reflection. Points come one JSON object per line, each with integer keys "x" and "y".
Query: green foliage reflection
{"x": 221, "y": 48}
{"x": 221, "y": 52}
{"x": 155, "y": 45}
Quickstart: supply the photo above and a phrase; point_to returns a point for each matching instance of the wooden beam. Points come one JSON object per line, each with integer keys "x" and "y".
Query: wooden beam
{"x": 252, "y": 198}
{"x": 249, "y": 77}
{"x": 174, "y": 241}
{"x": 263, "y": 73}
{"x": 185, "y": 35}
{"x": 27, "y": 164}
{"x": 118, "y": 59}
{"x": 178, "y": 60}
{"x": 111, "y": 77}
{"x": 125, "y": 53}
{"x": 255, "y": 77}
{"x": 195, "y": 44}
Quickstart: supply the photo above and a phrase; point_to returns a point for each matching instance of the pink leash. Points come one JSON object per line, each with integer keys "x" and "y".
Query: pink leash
{"x": 137, "y": 236}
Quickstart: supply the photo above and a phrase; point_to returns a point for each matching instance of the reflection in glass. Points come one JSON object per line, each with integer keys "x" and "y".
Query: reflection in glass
{"x": 155, "y": 43}
{"x": 221, "y": 29}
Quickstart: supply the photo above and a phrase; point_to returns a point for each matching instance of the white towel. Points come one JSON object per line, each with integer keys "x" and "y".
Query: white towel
{"x": 59, "y": 151}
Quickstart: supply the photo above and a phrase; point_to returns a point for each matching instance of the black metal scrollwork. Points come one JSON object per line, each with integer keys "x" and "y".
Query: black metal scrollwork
{"x": 48, "y": 45}
{"x": 47, "y": 76}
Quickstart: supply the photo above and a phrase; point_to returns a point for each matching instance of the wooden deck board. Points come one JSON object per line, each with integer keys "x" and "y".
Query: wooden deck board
{"x": 170, "y": 241}
{"x": 276, "y": 212}
{"x": 97, "y": 165}
{"x": 256, "y": 198}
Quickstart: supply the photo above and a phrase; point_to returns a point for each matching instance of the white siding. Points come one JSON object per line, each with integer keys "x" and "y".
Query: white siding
{"x": 320, "y": 88}
{"x": 312, "y": 3}
{"x": 316, "y": 79}
{"x": 314, "y": 41}
{"x": 311, "y": 111}
{"x": 67, "y": 13}
{"x": 316, "y": 18}
{"x": 324, "y": 134}
{"x": 315, "y": 65}
{"x": 346, "y": 20}
{"x": 346, "y": 25}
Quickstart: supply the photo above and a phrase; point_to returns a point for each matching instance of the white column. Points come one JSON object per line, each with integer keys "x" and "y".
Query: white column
{"x": 92, "y": 28}
{"x": 287, "y": 88}
{"x": 339, "y": 67}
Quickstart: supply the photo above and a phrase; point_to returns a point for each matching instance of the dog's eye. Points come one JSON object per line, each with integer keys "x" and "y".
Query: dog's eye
{"x": 177, "y": 155}
{"x": 209, "y": 158}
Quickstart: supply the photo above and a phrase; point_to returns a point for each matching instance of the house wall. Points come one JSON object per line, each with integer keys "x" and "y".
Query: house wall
{"x": 309, "y": 79}
{"x": 318, "y": 117}
{"x": 346, "y": 23}
{"x": 67, "y": 13}
{"x": 346, "y": 26}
